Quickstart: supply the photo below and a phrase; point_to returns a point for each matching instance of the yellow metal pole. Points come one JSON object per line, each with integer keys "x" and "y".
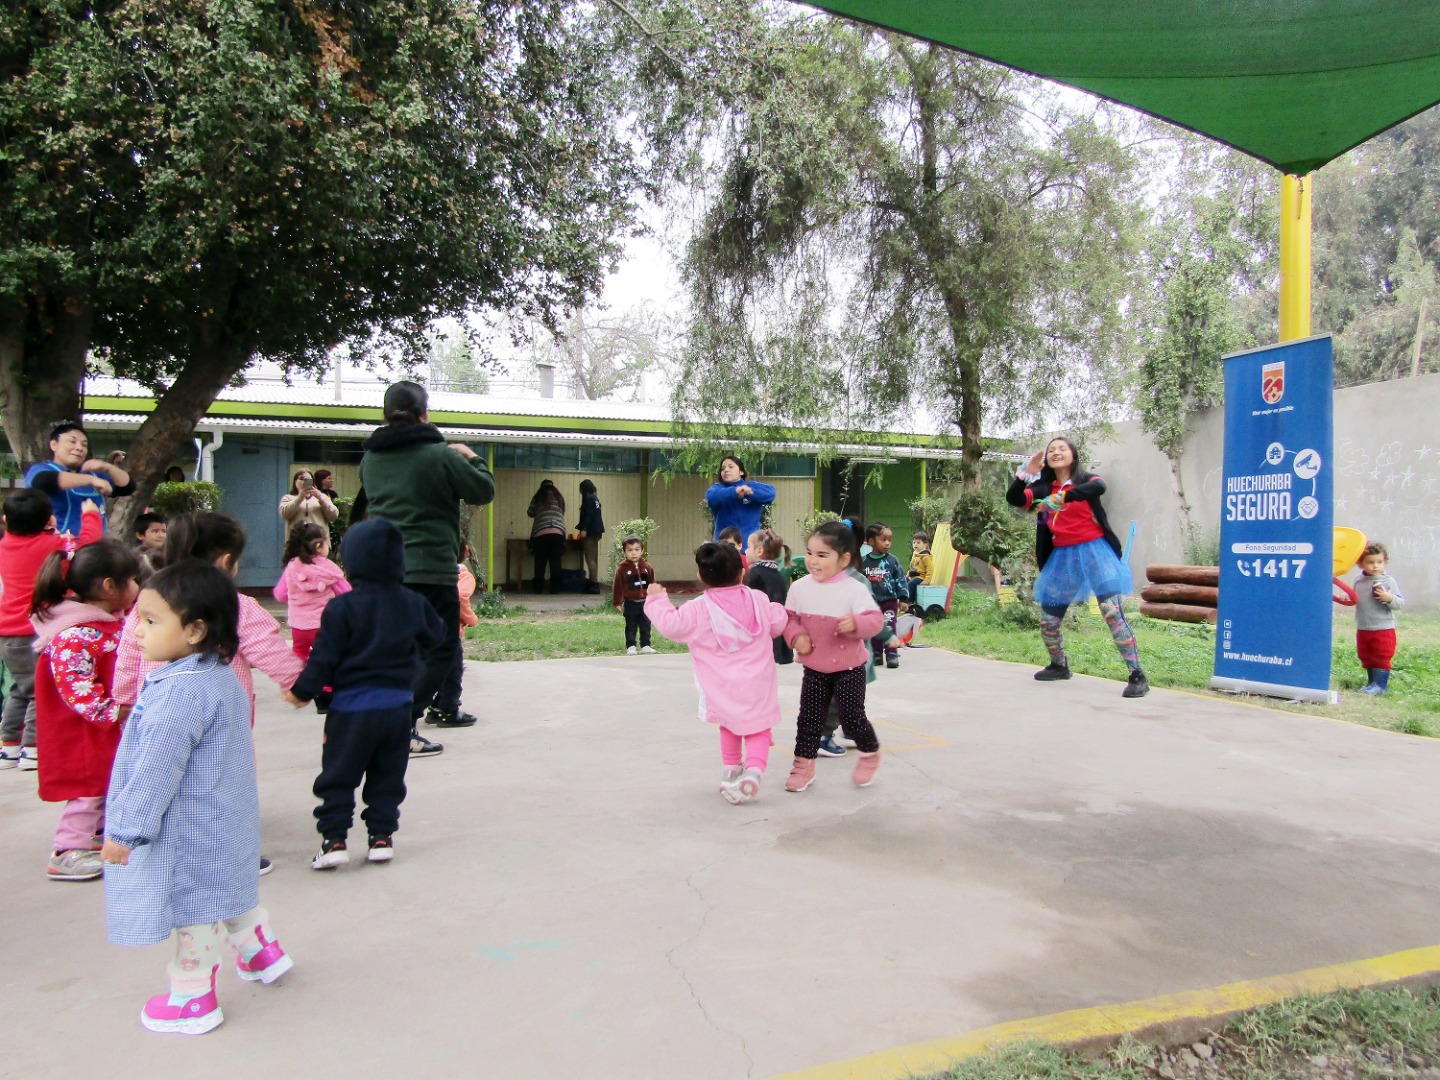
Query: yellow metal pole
{"x": 490, "y": 583}
{"x": 1295, "y": 270}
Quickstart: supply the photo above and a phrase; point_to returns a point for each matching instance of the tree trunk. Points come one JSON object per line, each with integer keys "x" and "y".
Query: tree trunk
{"x": 1170, "y": 574}
{"x": 42, "y": 364}
{"x": 1177, "y": 484}
{"x": 172, "y": 424}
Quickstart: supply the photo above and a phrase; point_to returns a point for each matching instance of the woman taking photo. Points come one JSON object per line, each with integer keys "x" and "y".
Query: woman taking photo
{"x": 737, "y": 501}
{"x": 547, "y": 534}
{"x": 306, "y": 503}
{"x": 1078, "y": 555}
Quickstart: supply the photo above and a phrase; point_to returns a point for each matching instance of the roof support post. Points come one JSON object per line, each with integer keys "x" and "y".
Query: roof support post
{"x": 1295, "y": 270}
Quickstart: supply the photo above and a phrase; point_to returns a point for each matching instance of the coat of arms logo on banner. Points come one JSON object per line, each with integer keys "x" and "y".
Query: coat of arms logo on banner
{"x": 1272, "y": 382}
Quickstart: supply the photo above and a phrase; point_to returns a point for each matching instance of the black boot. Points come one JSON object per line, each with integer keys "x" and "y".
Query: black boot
{"x": 1053, "y": 672}
{"x": 1138, "y": 686}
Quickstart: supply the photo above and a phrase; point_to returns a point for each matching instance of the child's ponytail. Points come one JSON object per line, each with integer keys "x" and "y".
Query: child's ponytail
{"x": 50, "y": 586}
{"x": 82, "y": 573}
{"x": 771, "y": 545}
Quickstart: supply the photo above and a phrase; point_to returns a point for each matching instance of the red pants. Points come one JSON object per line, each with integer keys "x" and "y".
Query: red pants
{"x": 1376, "y": 648}
{"x": 302, "y": 641}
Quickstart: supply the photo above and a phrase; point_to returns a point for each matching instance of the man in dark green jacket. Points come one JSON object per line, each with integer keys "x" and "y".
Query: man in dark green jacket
{"x": 412, "y": 478}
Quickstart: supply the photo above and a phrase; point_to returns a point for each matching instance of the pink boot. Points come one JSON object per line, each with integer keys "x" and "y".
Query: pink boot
{"x": 265, "y": 966}
{"x": 802, "y": 774}
{"x": 193, "y": 1017}
{"x": 866, "y": 768}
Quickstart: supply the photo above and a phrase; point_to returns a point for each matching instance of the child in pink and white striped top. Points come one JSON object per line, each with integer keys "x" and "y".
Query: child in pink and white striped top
{"x": 217, "y": 539}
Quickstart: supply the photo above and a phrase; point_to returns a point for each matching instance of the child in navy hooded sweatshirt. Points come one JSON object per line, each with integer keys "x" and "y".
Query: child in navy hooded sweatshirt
{"x": 368, "y": 650}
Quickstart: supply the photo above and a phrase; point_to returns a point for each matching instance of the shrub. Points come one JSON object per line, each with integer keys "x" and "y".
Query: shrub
{"x": 983, "y": 524}
{"x": 641, "y": 527}
{"x": 928, "y": 512}
{"x": 192, "y": 497}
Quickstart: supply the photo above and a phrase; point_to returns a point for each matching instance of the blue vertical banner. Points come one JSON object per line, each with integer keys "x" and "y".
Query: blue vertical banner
{"x": 1277, "y": 513}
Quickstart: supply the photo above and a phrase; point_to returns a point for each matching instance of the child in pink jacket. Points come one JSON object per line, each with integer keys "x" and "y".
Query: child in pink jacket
{"x": 832, "y": 616}
{"x": 729, "y": 629}
{"x": 309, "y": 582}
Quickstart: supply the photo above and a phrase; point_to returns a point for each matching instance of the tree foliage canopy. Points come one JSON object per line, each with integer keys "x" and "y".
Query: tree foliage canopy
{"x": 188, "y": 184}
{"x": 882, "y": 222}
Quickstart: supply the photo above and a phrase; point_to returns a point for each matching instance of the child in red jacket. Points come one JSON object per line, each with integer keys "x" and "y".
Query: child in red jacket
{"x": 30, "y": 538}
{"x": 77, "y": 611}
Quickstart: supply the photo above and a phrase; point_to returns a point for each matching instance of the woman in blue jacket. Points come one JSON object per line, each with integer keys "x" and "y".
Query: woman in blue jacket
{"x": 737, "y": 501}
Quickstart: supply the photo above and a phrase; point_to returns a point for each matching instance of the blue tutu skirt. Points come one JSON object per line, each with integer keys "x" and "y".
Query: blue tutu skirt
{"x": 1080, "y": 571}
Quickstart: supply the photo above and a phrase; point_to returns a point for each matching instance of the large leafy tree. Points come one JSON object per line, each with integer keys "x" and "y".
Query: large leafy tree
{"x": 1205, "y": 288}
{"x": 1377, "y": 253}
{"x": 883, "y": 221}
{"x": 186, "y": 185}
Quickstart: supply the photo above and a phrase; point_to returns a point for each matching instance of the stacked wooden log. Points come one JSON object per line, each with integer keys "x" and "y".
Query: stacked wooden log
{"x": 1181, "y": 593}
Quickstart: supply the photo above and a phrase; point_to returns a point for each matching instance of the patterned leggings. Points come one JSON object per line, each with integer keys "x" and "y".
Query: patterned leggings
{"x": 816, "y": 690}
{"x": 1114, "y": 616}
{"x": 197, "y": 949}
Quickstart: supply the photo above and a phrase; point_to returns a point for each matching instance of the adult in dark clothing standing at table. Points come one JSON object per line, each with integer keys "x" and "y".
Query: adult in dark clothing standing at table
{"x": 591, "y": 528}
{"x": 413, "y": 479}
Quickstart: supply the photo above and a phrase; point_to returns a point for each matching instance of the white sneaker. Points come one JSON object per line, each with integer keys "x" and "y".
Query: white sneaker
{"x": 29, "y": 759}
{"x": 750, "y": 783}
{"x": 646, "y": 649}
{"x": 730, "y": 785}
{"x": 9, "y": 757}
{"x": 630, "y": 651}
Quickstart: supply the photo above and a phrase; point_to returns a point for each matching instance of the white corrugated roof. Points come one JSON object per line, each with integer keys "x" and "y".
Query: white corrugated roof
{"x": 319, "y": 429}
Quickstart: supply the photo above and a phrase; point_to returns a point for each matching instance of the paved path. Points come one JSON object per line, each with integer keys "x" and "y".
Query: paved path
{"x": 571, "y": 898}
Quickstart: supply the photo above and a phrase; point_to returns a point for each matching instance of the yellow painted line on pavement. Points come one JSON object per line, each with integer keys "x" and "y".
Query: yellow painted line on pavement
{"x": 930, "y": 743}
{"x": 1112, "y": 1021}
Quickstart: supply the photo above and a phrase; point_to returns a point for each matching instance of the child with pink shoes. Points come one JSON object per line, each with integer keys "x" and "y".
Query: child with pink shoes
{"x": 182, "y": 827}
{"x": 729, "y": 629}
{"x": 832, "y": 617}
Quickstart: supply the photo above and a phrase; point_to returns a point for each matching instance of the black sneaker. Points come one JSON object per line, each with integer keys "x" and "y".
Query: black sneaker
{"x": 423, "y": 747}
{"x": 441, "y": 718}
{"x": 1053, "y": 672}
{"x": 892, "y": 659}
{"x": 1138, "y": 686}
{"x": 265, "y": 866}
{"x": 382, "y": 849}
{"x": 332, "y": 853}
{"x": 830, "y": 748}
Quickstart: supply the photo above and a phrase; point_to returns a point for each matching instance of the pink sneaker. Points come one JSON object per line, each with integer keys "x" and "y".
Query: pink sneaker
{"x": 265, "y": 966}
{"x": 193, "y": 1017}
{"x": 866, "y": 768}
{"x": 802, "y": 774}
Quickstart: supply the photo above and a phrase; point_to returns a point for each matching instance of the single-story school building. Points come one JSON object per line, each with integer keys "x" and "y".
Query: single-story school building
{"x": 255, "y": 437}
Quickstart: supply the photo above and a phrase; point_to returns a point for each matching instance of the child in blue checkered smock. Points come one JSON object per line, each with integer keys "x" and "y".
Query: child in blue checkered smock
{"x": 182, "y": 829}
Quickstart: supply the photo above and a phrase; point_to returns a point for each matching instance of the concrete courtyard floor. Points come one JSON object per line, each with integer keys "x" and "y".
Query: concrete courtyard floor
{"x": 571, "y": 897}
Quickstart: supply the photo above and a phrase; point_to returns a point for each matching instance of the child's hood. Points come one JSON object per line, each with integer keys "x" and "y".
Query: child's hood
{"x": 63, "y": 616}
{"x": 317, "y": 576}
{"x": 730, "y": 634}
{"x": 374, "y": 553}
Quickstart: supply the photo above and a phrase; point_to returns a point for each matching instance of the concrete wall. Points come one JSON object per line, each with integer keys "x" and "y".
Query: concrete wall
{"x": 1387, "y": 480}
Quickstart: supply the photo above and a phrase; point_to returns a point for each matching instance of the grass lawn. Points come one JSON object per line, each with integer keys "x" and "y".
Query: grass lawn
{"x": 1341, "y": 1036}
{"x": 521, "y": 635}
{"x": 1176, "y": 655}
{"x": 1181, "y": 656}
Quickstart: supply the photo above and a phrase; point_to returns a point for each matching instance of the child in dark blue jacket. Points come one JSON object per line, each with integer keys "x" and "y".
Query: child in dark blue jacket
{"x": 887, "y": 586}
{"x": 368, "y": 650}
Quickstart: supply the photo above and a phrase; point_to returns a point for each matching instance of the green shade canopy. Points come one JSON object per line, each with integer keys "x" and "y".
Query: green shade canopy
{"x": 1291, "y": 82}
